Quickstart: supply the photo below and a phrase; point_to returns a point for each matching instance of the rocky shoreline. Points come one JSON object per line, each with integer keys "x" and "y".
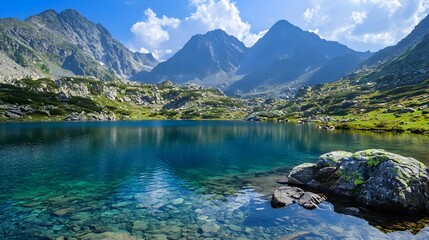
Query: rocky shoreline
{"x": 375, "y": 179}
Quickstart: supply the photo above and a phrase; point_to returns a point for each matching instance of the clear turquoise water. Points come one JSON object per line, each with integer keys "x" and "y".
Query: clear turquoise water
{"x": 174, "y": 179}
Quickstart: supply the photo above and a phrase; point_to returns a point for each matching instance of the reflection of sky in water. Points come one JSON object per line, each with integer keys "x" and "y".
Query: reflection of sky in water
{"x": 166, "y": 174}
{"x": 160, "y": 189}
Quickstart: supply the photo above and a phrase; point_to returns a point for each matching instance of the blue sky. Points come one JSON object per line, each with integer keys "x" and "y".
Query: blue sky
{"x": 164, "y": 26}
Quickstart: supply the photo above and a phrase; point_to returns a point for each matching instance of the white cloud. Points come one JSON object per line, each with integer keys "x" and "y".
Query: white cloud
{"x": 158, "y": 34}
{"x": 220, "y": 14}
{"x": 364, "y": 24}
{"x": 151, "y": 33}
{"x": 310, "y": 13}
{"x": 143, "y": 50}
{"x": 316, "y": 31}
{"x": 250, "y": 39}
{"x": 390, "y": 5}
{"x": 359, "y": 17}
{"x": 360, "y": 24}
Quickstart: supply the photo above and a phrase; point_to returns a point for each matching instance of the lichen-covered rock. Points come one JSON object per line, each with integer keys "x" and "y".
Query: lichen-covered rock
{"x": 393, "y": 180}
{"x": 303, "y": 173}
{"x": 285, "y": 196}
{"x": 332, "y": 159}
{"x": 374, "y": 178}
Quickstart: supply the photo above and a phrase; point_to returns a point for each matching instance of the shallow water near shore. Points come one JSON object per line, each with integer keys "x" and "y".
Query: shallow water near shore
{"x": 175, "y": 179}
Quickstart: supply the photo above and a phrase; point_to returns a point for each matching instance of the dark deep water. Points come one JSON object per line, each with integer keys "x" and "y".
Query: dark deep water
{"x": 156, "y": 179}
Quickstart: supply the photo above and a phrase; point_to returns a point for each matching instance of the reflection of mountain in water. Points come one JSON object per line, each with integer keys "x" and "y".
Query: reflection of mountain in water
{"x": 193, "y": 151}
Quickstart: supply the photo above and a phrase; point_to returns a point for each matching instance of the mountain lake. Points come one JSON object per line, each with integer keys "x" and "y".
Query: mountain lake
{"x": 181, "y": 180}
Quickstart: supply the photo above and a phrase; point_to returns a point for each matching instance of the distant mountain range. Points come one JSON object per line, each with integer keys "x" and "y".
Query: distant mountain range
{"x": 211, "y": 59}
{"x": 411, "y": 40}
{"x": 66, "y": 44}
{"x": 290, "y": 57}
{"x": 406, "y": 63}
{"x": 409, "y": 68}
{"x": 54, "y": 44}
{"x": 285, "y": 57}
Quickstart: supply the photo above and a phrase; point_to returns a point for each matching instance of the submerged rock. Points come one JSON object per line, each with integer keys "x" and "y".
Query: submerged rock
{"x": 178, "y": 201}
{"x": 373, "y": 178}
{"x": 289, "y": 195}
{"x": 65, "y": 211}
{"x": 140, "y": 225}
{"x": 109, "y": 235}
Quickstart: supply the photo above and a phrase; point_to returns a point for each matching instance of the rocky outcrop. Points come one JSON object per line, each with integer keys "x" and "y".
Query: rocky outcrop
{"x": 373, "y": 178}
{"x": 53, "y": 44}
{"x": 10, "y": 70}
{"x": 289, "y": 195}
{"x": 15, "y": 111}
{"x": 77, "y": 117}
{"x": 66, "y": 98}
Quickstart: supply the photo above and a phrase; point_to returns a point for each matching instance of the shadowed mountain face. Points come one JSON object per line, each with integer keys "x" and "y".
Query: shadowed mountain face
{"x": 285, "y": 57}
{"x": 406, "y": 63}
{"x": 412, "y": 67}
{"x": 67, "y": 43}
{"x": 410, "y": 41}
{"x": 289, "y": 56}
{"x": 202, "y": 57}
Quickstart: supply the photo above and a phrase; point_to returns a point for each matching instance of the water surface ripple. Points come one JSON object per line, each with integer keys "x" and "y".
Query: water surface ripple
{"x": 173, "y": 179}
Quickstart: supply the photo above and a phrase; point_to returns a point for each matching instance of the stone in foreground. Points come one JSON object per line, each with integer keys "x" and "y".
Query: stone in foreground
{"x": 373, "y": 178}
{"x": 285, "y": 196}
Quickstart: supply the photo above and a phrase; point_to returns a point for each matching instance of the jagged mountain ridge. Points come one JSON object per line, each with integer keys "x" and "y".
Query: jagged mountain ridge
{"x": 410, "y": 68}
{"x": 285, "y": 40}
{"x": 94, "y": 39}
{"x": 289, "y": 56}
{"x": 411, "y": 40}
{"x": 69, "y": 41}
{"x": 285, "y": 56}
{"x": 205, "y": 55}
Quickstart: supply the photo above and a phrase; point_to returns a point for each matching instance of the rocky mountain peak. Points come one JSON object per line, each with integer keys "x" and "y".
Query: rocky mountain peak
{"x": 284, "y": 26}
{"x": 71, "y": 44}
{"x": 217, "y": 40}
{"x": 203, "y": 56}
{"x": 71, "y": 12}
{"x": 288, "y": 56}
{"x": 47, "y": 13}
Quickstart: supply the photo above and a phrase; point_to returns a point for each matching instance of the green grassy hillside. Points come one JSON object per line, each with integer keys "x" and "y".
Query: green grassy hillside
{"x": 350, "y": 104}
{"x": 89, "y": 99}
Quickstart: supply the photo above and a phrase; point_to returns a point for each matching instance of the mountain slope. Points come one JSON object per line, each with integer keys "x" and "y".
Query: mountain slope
{"x": 94, "y": 39}
{"x": 82, "y": 99}
{"x": 393, "y": 96}
{"x": 202, "y": 57}
{"x": 289, "y": 56}
{"x": 410, "y": 68}
{"x": 285, "y": 57}
{"x": 69, "y": 41}
{"x": 411, "y": 40}
{"x": 31, "y": 48}
{"x": 12, "y": 69}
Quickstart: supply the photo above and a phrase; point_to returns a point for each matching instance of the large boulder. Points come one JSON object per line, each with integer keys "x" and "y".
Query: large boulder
{"x": 303, "y": 173}
{"x": 373, "y": 178}
{"x": 332, "y": 159}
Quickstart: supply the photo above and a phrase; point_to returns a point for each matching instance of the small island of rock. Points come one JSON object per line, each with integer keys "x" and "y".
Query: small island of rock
{"x": 373, "y": 178}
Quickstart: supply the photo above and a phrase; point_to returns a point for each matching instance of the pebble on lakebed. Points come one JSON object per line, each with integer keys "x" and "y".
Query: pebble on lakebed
{"x": 372, "y": 178}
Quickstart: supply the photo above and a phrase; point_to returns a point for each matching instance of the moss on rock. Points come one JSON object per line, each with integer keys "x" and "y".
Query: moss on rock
{"x": 374, "y": 178}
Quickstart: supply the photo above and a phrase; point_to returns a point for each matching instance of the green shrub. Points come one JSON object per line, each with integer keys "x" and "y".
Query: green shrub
{"x": 20, "y": 59}
{"x": 381, "y": 124}
{"x": 57, "y": 112}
